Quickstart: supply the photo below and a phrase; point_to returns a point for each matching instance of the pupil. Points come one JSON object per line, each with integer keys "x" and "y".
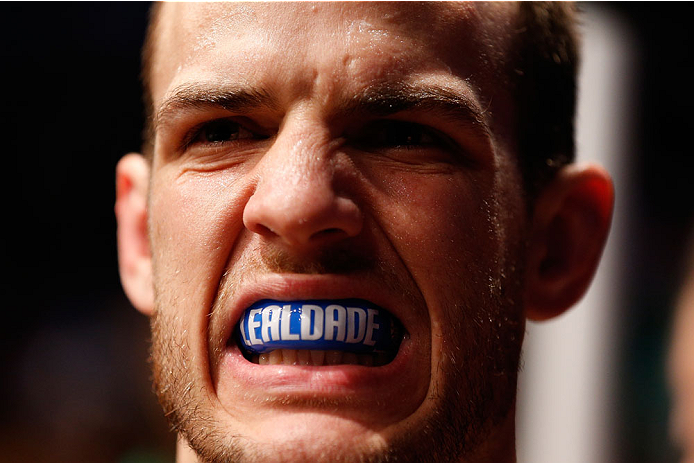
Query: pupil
{"x": 221, "y": 131}
{"x": 404, "y": 135}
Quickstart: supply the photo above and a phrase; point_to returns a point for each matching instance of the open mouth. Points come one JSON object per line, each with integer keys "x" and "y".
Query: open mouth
{"x": 318, "y": 332}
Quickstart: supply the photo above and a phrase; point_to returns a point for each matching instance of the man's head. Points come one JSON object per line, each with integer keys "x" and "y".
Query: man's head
{"x": 370, "y": 152}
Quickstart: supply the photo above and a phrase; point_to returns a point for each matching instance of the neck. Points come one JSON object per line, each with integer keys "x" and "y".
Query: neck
{"x": 184, "y": 454}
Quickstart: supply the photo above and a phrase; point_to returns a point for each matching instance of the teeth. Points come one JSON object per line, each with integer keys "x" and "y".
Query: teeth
{"x": 276, "y": 357}
{"x": 333, "y": 357}
{"x": 318, "y": 358}
{"x": 304, "y": 357}
{"x": 289, "y": 357}
{"x": 366, "y": 360}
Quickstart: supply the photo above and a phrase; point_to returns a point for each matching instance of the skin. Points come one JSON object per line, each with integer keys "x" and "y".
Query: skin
{"x": 319, "y": 198}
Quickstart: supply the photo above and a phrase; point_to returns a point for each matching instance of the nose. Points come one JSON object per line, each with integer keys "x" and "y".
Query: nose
{"x": 300, "y": 197}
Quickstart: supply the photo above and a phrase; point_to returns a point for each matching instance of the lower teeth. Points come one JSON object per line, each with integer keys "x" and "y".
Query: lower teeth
{"x": 318, "y": 358}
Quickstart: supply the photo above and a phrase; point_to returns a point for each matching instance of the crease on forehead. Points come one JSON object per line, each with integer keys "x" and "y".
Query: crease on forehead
{"x": 190, "y": 29}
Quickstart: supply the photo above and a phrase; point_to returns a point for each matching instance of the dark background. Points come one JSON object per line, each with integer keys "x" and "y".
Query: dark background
{"x": 74, "y": 353}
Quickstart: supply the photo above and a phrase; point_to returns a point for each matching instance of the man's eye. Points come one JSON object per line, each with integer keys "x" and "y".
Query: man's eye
{"x": 397, "y": 134}
{"x": 220, "y": 131}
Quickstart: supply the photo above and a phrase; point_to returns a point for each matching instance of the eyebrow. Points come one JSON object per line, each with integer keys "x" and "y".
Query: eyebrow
{"x": 389, "y": 99}
{"x": 378, "y": 100}
{"x": 203, "y": 96}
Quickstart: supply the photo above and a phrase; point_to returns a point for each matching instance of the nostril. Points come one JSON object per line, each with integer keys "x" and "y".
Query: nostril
{"x": 263, "y": 230}
{"x": 329, "y": 233}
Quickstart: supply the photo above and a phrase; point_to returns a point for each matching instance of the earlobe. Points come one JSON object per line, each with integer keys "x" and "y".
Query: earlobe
{"x": 571, "y": 221}
{"x": 134, "y": 257}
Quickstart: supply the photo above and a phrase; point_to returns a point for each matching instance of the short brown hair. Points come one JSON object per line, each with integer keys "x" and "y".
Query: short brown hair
{"x": 146, "y": 78}
{"x": 543, "y": 66}
{"x": 545, "y": 59}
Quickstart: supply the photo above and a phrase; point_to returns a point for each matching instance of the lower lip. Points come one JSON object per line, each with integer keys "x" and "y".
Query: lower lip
{"x": 328, "y": 381}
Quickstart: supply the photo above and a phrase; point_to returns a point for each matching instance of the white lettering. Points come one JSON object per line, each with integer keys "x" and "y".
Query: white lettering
{"x": 286, "y": 314}
{"x": 306, "y": 311}
{"x": 370, "y": 327}
{"x": 243, "y": 331}
{"x": 360, "y": 315}
{"x": 335, "y": 317}
{"x": 252, "y": 325}
{"x": 271, "y": 323}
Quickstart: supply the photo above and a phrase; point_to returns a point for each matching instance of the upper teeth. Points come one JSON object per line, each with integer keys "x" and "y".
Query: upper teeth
{"x": 346, "y": 325}
{"x": 318, "y": 358}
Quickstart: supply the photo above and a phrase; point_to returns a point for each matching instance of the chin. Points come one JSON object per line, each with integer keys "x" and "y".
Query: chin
{"x": 315, "y": 436}
{"x": 295, "y": 437}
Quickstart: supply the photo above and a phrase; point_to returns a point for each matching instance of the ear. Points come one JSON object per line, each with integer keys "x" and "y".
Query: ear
{"x": 571, "y": 220}
{"x": 134, "y": 257}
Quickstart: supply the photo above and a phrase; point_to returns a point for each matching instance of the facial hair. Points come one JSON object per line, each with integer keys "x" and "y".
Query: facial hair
{"x": 476, "y": 395}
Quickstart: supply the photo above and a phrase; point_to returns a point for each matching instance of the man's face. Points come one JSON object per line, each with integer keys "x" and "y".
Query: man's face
{"x": 325, "y": 152}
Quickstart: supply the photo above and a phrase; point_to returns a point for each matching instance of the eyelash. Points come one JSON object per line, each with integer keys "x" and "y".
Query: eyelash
{"x": 238, "y": 132}
{"x": 374, "y": 136}
{"x": 392, "y": 133}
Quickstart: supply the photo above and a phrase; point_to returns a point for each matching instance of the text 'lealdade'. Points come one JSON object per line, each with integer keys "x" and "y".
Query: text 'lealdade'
{"x": 351, "y": 325}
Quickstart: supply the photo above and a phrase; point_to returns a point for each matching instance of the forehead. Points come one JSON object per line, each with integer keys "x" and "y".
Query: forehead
{"x": 348, "y": 44}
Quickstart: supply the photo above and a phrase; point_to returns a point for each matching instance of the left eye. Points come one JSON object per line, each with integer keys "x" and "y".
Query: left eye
{"x": 396, "y": 134}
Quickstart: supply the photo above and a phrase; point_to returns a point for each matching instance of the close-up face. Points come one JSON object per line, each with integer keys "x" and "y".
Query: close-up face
{"x": 335, "y": 155}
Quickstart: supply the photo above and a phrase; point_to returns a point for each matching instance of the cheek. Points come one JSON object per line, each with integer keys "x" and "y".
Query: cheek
{"x": 440, "y": 223}
{"x": 194, "y": 220}
{"x": 461, "y": 247}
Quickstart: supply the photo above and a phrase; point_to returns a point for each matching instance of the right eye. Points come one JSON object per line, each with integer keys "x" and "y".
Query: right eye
{"x": 221, "y": 131}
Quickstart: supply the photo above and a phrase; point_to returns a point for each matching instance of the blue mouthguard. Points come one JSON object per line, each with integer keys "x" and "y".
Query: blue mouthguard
{"x": 352, "y": 325}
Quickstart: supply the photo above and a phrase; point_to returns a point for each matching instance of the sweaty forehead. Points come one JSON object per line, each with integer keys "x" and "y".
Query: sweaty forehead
{"x": 242, "y": 42}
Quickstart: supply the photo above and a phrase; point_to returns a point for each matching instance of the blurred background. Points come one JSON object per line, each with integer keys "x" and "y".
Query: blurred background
{"x": 74, "y": 352}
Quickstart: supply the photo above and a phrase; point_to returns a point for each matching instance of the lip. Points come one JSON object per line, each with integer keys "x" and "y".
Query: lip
{"x": 404, "y": 374}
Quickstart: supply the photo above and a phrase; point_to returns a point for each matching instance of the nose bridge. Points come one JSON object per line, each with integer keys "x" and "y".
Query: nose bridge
{"x": 296, "y": 199}
{"x": 298, "y": 161}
